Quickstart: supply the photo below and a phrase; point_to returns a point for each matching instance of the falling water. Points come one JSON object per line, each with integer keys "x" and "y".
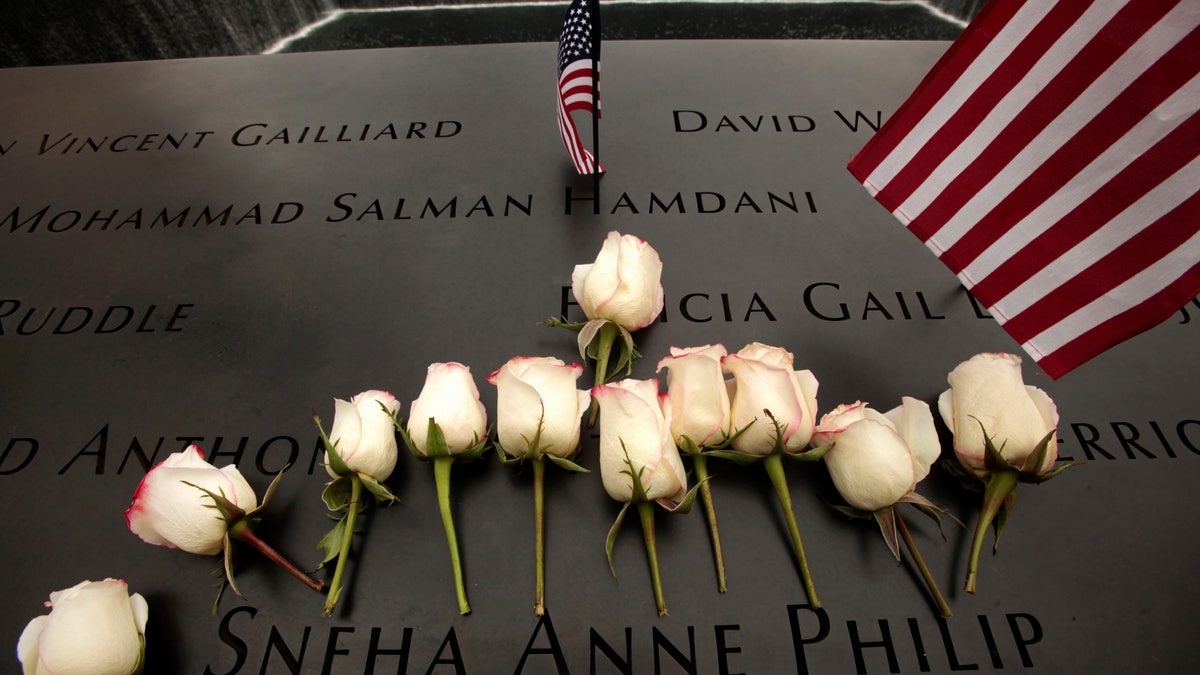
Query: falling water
{"x": 86, "y": 31}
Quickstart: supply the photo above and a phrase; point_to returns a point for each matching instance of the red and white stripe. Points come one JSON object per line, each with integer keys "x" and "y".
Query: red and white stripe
{"x": 575, "y": 92}
{"x": 1050, "y": 160}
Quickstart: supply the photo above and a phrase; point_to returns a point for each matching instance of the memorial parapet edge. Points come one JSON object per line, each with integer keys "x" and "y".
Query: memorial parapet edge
{"x": 202, "y": 251}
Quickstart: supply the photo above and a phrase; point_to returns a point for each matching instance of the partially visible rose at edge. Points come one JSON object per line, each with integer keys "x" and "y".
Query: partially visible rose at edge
{"x": 988, "y": 390}
{"x": 534, "y": 390}
{"x": 623, "y": 285}
{"x": 166, "y": 511}
{"x": 764, "y": 379}
{"x": 93, "y": 628}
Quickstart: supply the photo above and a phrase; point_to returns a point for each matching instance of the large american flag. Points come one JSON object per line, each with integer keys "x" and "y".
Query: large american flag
{"x": 578, "y": 74}
{"x": 1051, "y": 159}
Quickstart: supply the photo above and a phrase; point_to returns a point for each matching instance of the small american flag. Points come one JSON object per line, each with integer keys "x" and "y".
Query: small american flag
{"x": 578, "y": 76}
{"x": 1051, "y": 160}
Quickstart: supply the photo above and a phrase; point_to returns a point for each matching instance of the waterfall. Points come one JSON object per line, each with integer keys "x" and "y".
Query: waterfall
{"x": 86, "y": 31}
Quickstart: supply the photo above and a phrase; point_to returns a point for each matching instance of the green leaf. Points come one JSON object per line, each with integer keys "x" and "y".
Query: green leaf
{"x": 408, "y": 441}
{"x": 566, "y": 464}
{"x": 435, "y": 440}
{"x": 337, "y": 493}
{"x": 851, "y": 512}
{"x": 993, "y": 458}
{"x": 229, "y": 567}
{"x": 476, "y": 451}
{"x": 587, "y": 338}
{"x": 685, "y": 505}
{"x": 812, "y": 455}
{"x": 737, "y": 457}
{"x": 688, "y": 446}
{"x": 728, "y": 440}
{"x": 331, "y": 543}
{"x": 382, "y": 494}
{"x": 510, "y": 460}
{"x": 1002, "y": 515}
{"x": 778, "y": 449}
{"x": 1033, "y": 463}
{"x": 635, "y": 477}
{"x": 886, "y": 517}
{"x": 270, "y": 491}
{"x": 627, "y": 353}
{"x": 1043, "y": 477}
{"x": 612, "y": 537}
{"x": 335, "y": 460}
{"x": 554, "y": 322}
{"x": 229, "y": 511}
{"x": 931, "y": 509}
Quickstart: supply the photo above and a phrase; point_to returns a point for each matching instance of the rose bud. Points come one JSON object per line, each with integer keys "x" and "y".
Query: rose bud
{"x": 765, "y": 381}
{"x": 635, "y": 436}
{"x": 623, "y": 285}
{"x": 639, "y": 463}
{"x": 697, "y": 395}
{"x": 538, "y": 411}
{"x": 536, "y": 398}
{"x": 451, "y": 399}
{"x": 773, "y": 412}
{"x": 93, "y": 628}
{"x": 987, "y": 394}
{"x": 448, "y": 423}
{"x": 1004, "y": 434}
{"x": 364, "y": 435}
{"x": 167, "y": 511}
{"x": 875, "y": 459}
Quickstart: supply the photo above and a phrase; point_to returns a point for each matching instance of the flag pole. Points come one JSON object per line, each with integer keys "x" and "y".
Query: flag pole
{"x": 596, "y": 109}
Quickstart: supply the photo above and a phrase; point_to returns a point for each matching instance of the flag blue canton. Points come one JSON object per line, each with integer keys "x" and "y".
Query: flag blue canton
{"x": 578, "y": 80}
{"x": 577, "y": 41}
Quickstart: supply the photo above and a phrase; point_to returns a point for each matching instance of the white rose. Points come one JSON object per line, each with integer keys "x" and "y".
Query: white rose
{"x": 533, "y": 392}
{"x": 876, "y": 459}
{"x": 451, "y": 399}
{"x": 765, "y": 381}
{"x": 623, "y": 285}
{"x": 364, "y": 434}
{"x": 988, "y": 389}
{"x": 697, "y": 394}
{"x": 93, "y": 628}
{"x": 635, "y": 422}
{"x": 167, "y": 512}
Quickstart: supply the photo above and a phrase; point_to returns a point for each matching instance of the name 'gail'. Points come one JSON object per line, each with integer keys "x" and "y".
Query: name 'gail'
{"x": 261, "y": 133}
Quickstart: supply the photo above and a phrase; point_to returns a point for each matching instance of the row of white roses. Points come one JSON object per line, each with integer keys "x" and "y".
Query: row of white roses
{"x": 874, "y": 459}
{"x": 1002, "y": 429}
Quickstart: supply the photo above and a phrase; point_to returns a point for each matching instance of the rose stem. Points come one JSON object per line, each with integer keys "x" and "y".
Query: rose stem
{"x": 1000, "y": 485}
{"x": 603, "y": 349}
{"x": 242, "y": 532}
{"x": 646, "y": 511}
{"x": 335, "y": 588}
{"x": 539, "y": 528}
{"x": 920, "y": 562}
{"x": 774, "y": 466}
{"x": 441, "y": 473}
{"x": 700, "y": 463}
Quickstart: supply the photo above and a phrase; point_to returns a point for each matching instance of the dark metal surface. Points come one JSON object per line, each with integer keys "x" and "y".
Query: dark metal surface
{"x": 237, "y": 330}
